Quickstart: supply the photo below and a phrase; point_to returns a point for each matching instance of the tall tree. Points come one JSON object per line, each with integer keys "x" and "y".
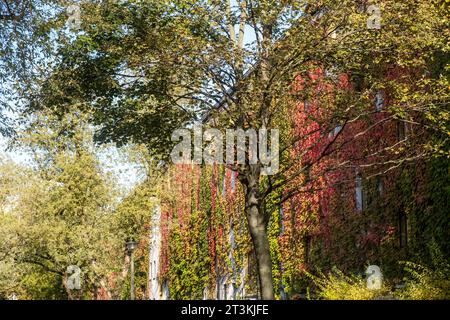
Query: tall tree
{"x": 61, "y": 214}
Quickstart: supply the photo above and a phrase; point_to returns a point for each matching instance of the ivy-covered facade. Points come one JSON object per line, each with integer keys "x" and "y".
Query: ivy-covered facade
{"x": 369, "y": 212}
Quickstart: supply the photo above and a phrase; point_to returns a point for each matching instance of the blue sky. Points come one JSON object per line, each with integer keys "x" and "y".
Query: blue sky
{"x": 111, "y": 159}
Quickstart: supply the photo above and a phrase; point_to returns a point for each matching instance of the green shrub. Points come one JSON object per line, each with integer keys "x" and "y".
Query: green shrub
{"x": 338, "y": 286}
{"x": 424, "y": 283}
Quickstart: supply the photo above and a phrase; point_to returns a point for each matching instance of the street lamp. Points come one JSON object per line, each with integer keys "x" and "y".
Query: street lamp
{"x": 131, "y": 246}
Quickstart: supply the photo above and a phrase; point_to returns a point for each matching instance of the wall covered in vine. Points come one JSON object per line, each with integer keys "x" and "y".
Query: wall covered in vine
{"x": 204, "y": 236}
{"x": 349, "y": 212}
{"x": 369, "y": 212}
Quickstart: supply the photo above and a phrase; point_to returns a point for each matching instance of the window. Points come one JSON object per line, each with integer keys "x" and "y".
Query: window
{"x": 359, "y": 193}
{"x": 403, "y": 230}
{"x": 306, "y": 106}
{"x": 380, "y": 186}
{"x": 233, "y": 180}
{"x": 379, "y": 101}
{"x": 335, "y": 131}
{"x": 224, "y": 186}
{"x": 401, "y": 130}
{"x": 232, "y": 238}
{"x": 307, "y": 248}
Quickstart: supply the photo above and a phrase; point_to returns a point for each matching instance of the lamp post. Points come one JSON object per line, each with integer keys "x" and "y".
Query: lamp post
{"x": 131, "y": 246}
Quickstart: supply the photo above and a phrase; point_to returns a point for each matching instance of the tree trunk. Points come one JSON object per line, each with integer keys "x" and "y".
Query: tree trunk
{"x": 257, "y": 223}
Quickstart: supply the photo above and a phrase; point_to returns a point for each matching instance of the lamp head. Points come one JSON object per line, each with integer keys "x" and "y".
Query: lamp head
{"x": 131, "y": 246}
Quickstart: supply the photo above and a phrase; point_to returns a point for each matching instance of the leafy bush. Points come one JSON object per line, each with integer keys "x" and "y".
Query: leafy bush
{"x": 424, "y": 283}
{"x": 338, "y": 286}
{"x": 427, "y": 282}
